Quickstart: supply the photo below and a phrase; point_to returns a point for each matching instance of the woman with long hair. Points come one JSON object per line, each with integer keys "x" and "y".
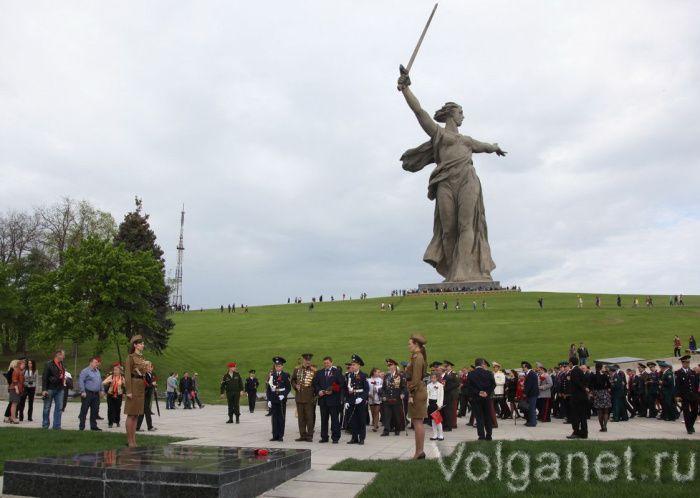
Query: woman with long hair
{"x": 602, "y": 399}
{"x": 134, "y": 373}
{"x": 16, "y": 389}
{"x": 417, "y": 392}
{"x": 29, "y": 391}
{"x": 374, "y": 399}
{"x": 114, "y": 391}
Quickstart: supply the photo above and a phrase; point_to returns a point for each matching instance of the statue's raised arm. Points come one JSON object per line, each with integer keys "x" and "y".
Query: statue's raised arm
{"x": 424, "y": 119}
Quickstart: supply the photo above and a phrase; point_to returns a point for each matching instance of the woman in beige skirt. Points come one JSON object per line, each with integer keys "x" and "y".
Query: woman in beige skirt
{"x": 417, "y": 393}
{"x": 134, "y": 371}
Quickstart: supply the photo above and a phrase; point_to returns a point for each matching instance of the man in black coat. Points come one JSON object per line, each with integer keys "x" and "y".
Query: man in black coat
{"x": 578, "y": 391}
{"x": 687, "y": 391}
{"x": 328, "y": 384}
{"x": 481, "y": 384}
{"x": 531, "y": 391}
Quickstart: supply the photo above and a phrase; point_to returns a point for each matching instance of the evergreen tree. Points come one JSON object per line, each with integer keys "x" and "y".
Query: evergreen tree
{"x": 135, "y": 234}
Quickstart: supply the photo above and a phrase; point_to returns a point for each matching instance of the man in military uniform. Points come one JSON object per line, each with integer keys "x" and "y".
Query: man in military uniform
{"x": 251, "y": 389}
{"x": 345, "y": 417}
{"x": 641, "y": 390}
{"x": 232, "y": 386}
{"x": 564, "y": 386}
{"x": 618, "y": 387}
{"x": 305, "y": 397}
{"x": 451, "y": 396}
{"x": 392, "y": 395}
{"x": 687, "y": 392}
{"x": 278, "y": 388}
{"x": 356, "y": 400}
{"x": 652, "y": 390}
{"x": 328, "y": 386}
{"x": 668, "y": 390}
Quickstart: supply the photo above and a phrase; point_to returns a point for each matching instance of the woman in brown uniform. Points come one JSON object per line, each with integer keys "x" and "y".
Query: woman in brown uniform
{"x": 417, "y": 393}
{"x": 135, "y": 388}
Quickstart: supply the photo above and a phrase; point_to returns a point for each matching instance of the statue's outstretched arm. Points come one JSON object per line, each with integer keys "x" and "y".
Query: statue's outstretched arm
{"x": 477, "y": 147}
{"x": 424, "y": 119}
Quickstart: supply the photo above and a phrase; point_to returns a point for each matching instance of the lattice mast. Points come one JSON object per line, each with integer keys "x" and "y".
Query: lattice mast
{"x": 177, "y": 302}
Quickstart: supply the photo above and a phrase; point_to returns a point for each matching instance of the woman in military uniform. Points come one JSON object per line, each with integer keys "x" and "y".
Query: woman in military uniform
{"x": 134, "y": 372}
{"x": 417, "y": 393}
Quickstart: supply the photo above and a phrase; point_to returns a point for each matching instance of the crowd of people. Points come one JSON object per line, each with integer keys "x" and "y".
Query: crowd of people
{"x": 407, "y": 395}
{"x": 121, "y": 391}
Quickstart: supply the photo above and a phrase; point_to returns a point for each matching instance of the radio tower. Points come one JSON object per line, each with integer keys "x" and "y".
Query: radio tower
{"x": 177, "y": 302}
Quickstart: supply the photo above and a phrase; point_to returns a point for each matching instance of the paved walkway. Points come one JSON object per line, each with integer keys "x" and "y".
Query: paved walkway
{"x": 207, "y": 427}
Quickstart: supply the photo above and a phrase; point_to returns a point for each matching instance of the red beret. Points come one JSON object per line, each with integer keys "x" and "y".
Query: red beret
{"x": 231, "y": 365}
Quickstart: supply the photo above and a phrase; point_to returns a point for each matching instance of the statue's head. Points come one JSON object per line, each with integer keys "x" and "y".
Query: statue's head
{"x": 450, "y": 110}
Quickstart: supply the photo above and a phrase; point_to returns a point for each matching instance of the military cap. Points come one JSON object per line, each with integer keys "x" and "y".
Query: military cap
{"x": 307, "y": 356}
{"x": 526, "y": 363}
{"x": 662, "y": 364}
{"x": 685, "y": 358}
{"x": 435, "y": 364}
{"x": 486, "y": 362}
{"x": 613, "y": 368}
{"x": 389, "y": 361}
{"x": 356, "y": 359}
{"x": 563, "y": 363}
{"x": 419, "y": 339}
{"x": 278, "y": 360}
{"x": 404, "y": 364}
{"x": 251, "y": 371}
{"x": 448, "y": 362}
{"x": 651, "y": 364}
{"x": 641, "y": 365}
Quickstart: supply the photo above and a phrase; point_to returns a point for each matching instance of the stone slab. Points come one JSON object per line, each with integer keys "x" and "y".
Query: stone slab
{"x": 460, "y": 286}
{"x": 323, "y": 483}
{"x": 173, "y": 471}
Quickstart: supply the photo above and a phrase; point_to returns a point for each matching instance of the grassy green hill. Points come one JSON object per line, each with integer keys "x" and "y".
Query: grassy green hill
{"x": 511, "y": 329}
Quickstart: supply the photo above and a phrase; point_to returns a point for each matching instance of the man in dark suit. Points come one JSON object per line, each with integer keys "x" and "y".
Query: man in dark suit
{"x": 451, "y": 390}
{"x": 531, "y": 391}
{"x": 578, "y": 392}
{"x": 687, "y": 391}
{"x": 481, "y": 384}
{"x": 328, "y": 384}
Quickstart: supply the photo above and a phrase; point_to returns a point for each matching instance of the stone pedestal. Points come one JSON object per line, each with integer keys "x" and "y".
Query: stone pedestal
{"x": 460, "y": 286}
{"x": 172, "y": 471}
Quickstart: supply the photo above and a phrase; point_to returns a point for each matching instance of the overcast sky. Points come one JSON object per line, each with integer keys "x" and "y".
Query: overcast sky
{"x": 279, "y": 126}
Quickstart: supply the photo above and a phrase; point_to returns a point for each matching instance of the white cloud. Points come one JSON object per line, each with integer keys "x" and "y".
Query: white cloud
{"x": 279, "y": 126}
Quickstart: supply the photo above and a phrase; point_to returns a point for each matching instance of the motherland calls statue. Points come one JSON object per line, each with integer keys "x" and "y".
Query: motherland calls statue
{"x": 459, "y": 250}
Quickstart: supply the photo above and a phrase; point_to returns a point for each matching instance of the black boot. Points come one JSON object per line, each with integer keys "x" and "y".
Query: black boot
{"x": 237, "y": 419}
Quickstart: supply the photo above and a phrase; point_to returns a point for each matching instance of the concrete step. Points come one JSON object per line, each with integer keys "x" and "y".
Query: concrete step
{"x": 317, "y": 483}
